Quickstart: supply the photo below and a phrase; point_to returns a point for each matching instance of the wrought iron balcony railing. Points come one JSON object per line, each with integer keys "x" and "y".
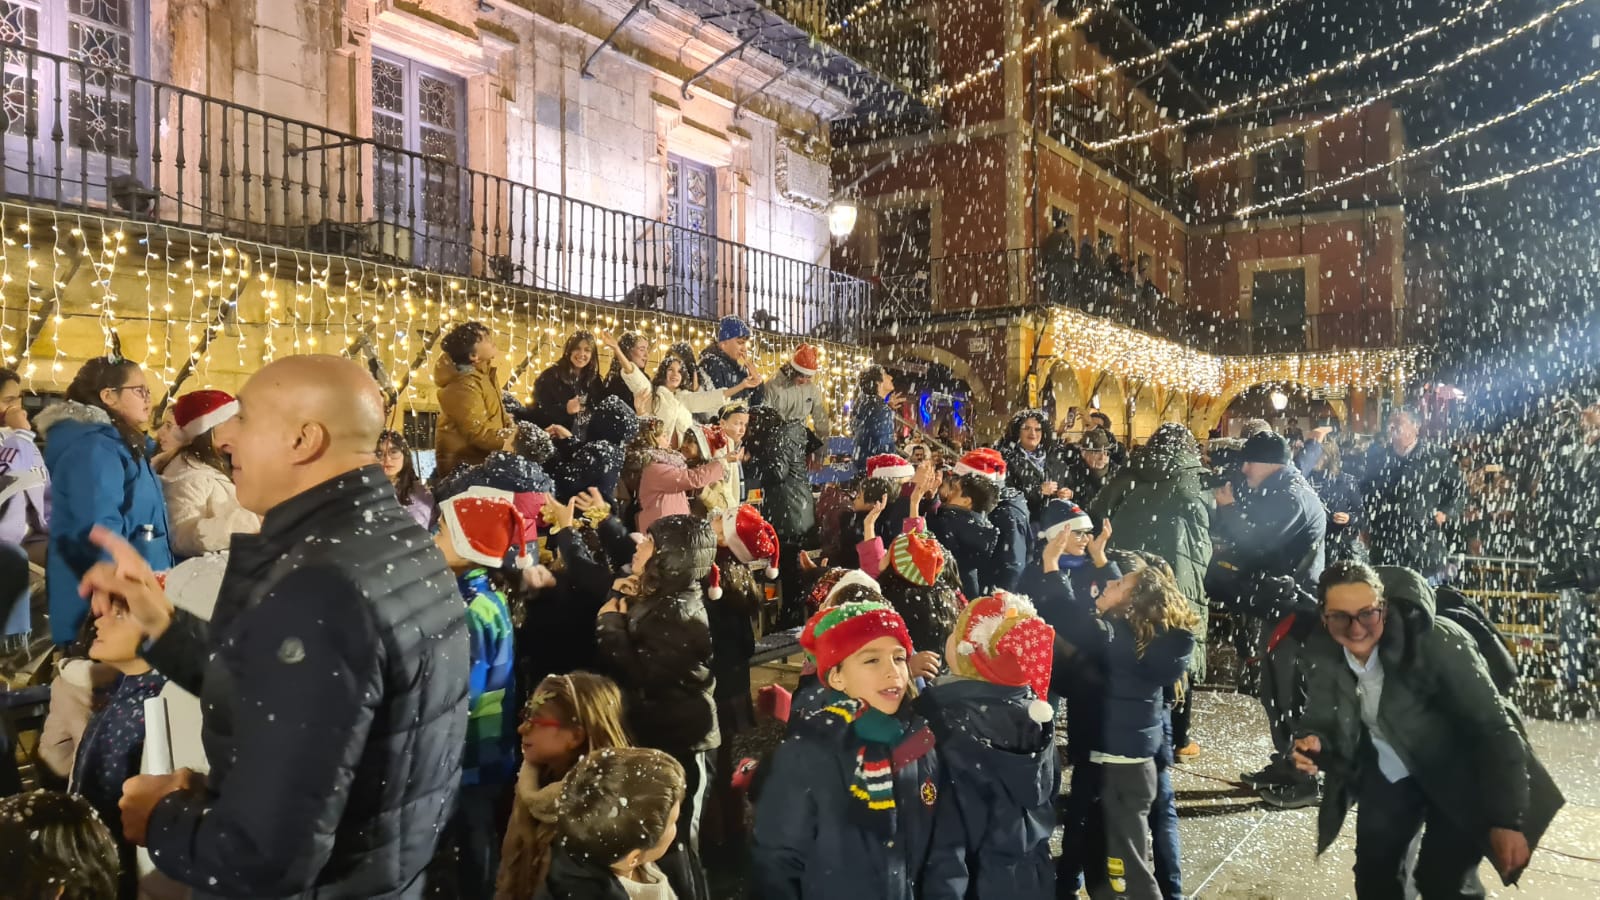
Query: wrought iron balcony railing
{"x": 101, "y": 139}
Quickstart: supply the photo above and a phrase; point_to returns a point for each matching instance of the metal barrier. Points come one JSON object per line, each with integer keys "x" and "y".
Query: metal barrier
{"x": 1528, "y": 619}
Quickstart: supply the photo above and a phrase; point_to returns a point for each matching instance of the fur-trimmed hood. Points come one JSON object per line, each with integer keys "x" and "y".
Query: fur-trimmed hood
{"x": 69, "y": 411}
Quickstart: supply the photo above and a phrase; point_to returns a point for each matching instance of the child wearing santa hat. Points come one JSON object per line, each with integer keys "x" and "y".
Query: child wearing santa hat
{"x": 961, "y": 522}
{"x": 855, "y": 802}
{"x": 994, "y": 726}
{"x": 478, "y": 530}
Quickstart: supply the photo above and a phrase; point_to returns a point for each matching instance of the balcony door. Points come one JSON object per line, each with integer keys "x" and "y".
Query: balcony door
{"x": 691, "y": 197}
{"x": 905, "y": 256}
{"x": 1278, "y": 311}
{"x": 419, "y": 124}
{"x": 91, "y": 97}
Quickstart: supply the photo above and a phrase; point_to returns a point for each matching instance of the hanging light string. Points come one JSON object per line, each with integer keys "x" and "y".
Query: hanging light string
{"x": 1433, "y": 71}
{"x": 940, "y": 92}
{"x": 855, "y": 15}
{"x": 1236, "y": 23}
{"x": 1504, "y": 177}
{"x": 1299, "y": 81}
{"x": 1415, "y": 152}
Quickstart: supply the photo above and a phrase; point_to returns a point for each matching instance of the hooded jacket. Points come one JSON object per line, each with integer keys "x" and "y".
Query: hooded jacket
{"x": 1457, "y": 736}
{"x": 970, "y": 538}
{"x": 799, "y": 402}
{"x": 665, "y": 483}
{"x": 203, "y": 507}
{"x": 807, "y": 844}
{"x": 95, "y": 480}
{"x": 333, "y": 677}
{"x": 1158, "y": 505}
{"x": 785, "y": 481}
{"x": 473, "y": 421}
{"x": 1014, "y": 536}
{"x": 1006, "y": 791}
{"x": 24, "y": 487}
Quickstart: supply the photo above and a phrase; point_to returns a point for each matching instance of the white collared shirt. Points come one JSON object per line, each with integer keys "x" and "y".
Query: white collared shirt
{"x": 1369, "y": 692}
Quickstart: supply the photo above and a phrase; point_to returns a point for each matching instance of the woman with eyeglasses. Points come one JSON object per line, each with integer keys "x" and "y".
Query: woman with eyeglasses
{"x": 99, "y": 460}
{"x": 1403, "y": 718}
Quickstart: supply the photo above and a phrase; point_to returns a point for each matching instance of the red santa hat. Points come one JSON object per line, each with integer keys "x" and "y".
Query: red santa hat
{"x": 984, "y": 462}
{"x": 805, "y": 360}
{"x": 1002, "y": 640}
{"x": 890, "y": 465}
{"x": 198, "y": 412}
{"x": 484, "y": 524}
{"x": 710, "y": 440}
{"x": 751, "y": 538}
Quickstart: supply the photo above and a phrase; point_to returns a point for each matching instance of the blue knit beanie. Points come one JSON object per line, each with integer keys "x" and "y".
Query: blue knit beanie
{"x": 732, "y": 328}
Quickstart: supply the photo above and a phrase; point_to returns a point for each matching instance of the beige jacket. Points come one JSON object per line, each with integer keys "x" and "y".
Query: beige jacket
{"x": 525, "y": 855}
{"x": 202, "y": 508}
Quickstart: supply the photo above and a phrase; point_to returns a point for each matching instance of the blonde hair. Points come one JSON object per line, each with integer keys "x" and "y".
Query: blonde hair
{"x": 592, "y": 702}
{"x": 1155, "y": 605}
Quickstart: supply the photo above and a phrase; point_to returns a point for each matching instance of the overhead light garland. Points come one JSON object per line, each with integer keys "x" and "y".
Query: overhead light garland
{"x": 1433, "y": 71}
{"x": 940, "y": 92}
{"x": 1299, "y": 81}
{"x": 835, "y": 28}
{"x": 1415, "y": 152}
{"x": 1232, "y": 24}
{"x": 1504, "y": 177}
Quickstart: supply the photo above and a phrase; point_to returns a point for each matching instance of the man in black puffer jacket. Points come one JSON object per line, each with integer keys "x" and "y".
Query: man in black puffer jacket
{"x": 333, "y": 674}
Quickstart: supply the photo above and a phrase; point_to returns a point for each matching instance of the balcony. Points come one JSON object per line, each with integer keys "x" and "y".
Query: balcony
{"x": 1079, "y": 121}
{"x": 1002, "y": 283}
{"x": 80, "y": 137}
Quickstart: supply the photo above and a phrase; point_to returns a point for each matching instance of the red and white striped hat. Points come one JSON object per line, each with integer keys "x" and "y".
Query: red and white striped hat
{"x": 985, "y": 462}
{"x": 890, "y": 465}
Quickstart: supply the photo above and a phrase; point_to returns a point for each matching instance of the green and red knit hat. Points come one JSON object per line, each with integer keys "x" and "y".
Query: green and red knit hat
{"x": 833, "y": 634}
{"x": 917, "y": 558}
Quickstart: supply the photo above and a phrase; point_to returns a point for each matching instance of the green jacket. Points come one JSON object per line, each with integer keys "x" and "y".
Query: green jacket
{"x": 1157, "y": 504}
{"x": 1458, "y": 737}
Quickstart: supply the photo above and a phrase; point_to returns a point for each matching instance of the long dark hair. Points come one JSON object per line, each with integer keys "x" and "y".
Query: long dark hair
{"x": 107, "y": 373}
{"x": 203, "y": 450}
{"x": 405, "y": 484}
{"x": 626, "y": 343}
{"x": 591, "y": 370}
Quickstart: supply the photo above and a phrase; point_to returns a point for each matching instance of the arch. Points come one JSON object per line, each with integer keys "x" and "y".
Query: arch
{"x": 1249, "y": 401}
{"x": 960, "y": 367}
{"x": 1068, "y": 390}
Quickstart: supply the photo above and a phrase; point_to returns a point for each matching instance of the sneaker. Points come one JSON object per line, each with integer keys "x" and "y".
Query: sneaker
{"x": 1292, "y": 796}
{"x": 1273, "y": 775}
{"x": 1188, "y": 752}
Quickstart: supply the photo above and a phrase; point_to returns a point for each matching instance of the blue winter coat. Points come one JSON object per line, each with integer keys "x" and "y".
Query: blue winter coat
{"x": 872, "y": 425}
{"x": 807, "y": 845}
{"x": 1010, "y": 517}
{"x": 1132, "y": 692}
{"x": 96, "y": 480}
{"x": 969, "y": 537}
{"x": 1006, "y": 791}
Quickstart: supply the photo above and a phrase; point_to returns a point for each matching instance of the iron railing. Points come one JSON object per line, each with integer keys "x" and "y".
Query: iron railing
{"x": 92, "y": 138}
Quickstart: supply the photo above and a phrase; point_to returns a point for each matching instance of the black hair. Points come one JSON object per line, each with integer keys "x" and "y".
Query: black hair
{"x": 591, "y": 369}
{"x": 684, "y": 552}
{"x": 856, "y": 593}
{"x": 53, "y": 845}
{"x": 875, "y": 489}
{"x": 103, "y": 373}
{"x": 8, "y": 375}
{"x": 462, "y": 340}
{"x": 626, "y": 343}
{"x": 1348, "y": 572}
{"x": 405, "y": 484}
{"x": 983, "y": 493}
{"x": 930, "y": 611}
{"x": 1097, "y": 414}
{"x": 869, "y": 379}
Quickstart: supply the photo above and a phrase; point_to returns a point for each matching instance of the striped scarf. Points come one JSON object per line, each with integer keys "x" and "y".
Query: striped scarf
{"x": 877, "y": 736}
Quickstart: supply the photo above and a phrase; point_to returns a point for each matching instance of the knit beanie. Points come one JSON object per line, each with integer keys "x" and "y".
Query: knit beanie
{"x": 1268, "y": 447}
{"x": 834, "y": 634}
{"x": 731, "y": 328}
{"x": 917, "y": 558}
{"x": 1062, "y": 514}
{"x": 1002, "y": 640}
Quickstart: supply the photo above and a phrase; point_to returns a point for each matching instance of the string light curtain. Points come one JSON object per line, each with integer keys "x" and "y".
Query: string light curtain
{"x": 1504, "y": 177}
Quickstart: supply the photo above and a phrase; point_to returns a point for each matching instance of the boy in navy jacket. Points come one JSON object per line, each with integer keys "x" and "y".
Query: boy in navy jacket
{"x": 995, "y": 728}
{"x": 961, "y": 524}
{"x": 856, "y": 803}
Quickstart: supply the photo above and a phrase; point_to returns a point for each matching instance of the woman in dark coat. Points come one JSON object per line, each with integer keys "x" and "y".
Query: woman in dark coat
{"x": 1341, "y": 494}
{"x": 562, "y": 393}
{"x": 1034, "y": 459}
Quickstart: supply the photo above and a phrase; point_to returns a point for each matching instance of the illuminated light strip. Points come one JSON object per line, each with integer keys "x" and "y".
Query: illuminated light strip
{"x": 938, "y": 92}
{"x": 1361, "y": 58}
{"x": 1436, "y": 69}
{"x": 1502, "y": 178}
{"x": 1470, "y": 130}
{"x": 835, "y": 28}
{"x": 1233, "y": 24}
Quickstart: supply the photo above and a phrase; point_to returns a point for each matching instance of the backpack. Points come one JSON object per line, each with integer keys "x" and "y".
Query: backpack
{"x": 1454, "y": 606}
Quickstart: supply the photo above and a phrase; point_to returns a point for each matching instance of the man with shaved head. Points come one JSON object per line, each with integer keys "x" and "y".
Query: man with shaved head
{"x": 332, "y": 676}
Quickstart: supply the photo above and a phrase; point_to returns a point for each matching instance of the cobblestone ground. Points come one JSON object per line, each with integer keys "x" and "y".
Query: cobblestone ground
{"x": 1234, "y": 847}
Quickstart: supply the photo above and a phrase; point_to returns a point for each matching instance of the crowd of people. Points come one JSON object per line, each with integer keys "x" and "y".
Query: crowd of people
{"x": 521, "y": 676}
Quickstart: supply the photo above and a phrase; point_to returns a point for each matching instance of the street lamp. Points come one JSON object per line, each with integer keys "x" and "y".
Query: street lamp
{"x": 842, "y": 219}
{"x": 1280, "y": 402}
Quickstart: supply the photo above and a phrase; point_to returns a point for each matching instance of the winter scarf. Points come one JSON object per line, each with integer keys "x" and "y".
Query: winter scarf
{"x": 884, "y": 748}
{"x": 530, "y": 835}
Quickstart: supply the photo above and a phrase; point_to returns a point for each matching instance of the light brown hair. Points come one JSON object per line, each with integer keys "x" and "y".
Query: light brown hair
{"x": 617, "y": 801}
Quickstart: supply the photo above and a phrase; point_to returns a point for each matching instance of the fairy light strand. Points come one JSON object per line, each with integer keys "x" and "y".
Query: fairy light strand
{"x": 1232, "y": 24}
{"x": 1504, "y": 177}
{"x": 1415, "y": 152}
{"x": 1433, "y": 71}
{"x": 940, "y": 92}
{"x": 1299, "y": 81}
{"x": 855, "y": 15}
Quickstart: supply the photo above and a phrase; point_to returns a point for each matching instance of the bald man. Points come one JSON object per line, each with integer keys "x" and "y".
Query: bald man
{"x": 332, "y": 676}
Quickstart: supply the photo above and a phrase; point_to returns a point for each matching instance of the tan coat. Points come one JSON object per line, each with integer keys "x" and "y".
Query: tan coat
{"x": 202, "y": 508}
{"x": 472, "y": 415}
{"x": 530, "y": 835}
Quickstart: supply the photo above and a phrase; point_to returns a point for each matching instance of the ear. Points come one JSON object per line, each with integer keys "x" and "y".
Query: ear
{"x": 835, "y": 679}
{"x": 580, "y": 737}
{"x": 632, "y": 861}
{"x": 311, "y": 441}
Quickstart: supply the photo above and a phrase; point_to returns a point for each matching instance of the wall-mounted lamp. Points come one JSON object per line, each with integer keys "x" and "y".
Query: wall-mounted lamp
{"x": 842, "y": 218}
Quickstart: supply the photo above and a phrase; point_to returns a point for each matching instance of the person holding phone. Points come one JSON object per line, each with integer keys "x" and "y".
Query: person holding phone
{"x": 1403, "y": 719}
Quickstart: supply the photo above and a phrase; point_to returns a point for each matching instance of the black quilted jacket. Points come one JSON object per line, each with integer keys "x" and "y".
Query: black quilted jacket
{"x": 333, "y": 683}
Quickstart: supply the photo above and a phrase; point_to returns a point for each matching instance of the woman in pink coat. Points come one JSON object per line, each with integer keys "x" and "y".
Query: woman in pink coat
{"x": 667, "y": 479}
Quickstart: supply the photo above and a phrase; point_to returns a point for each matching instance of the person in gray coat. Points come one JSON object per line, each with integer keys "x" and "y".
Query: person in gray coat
{"x": 796, "y": 395}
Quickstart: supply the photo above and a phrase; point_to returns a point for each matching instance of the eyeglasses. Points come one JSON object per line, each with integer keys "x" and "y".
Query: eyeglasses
{"x": 140, "y": 390}
{"x": 1339, "y": 622}
{"x": 1083, "y": 532}
{"x": 543, "y": 722}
